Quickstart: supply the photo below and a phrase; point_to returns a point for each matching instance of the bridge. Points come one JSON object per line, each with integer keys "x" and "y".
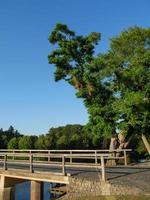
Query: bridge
{"x": 55, "y": 166}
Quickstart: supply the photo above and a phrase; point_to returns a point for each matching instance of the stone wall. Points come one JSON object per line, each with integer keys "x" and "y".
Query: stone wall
{"x": 85, "y": 188}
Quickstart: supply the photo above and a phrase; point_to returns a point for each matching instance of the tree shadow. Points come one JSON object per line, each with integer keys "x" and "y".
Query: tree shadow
{"x": 118, "y": 174}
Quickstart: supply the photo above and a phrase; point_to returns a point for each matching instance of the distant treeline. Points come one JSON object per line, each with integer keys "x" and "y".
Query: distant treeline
{"x": 64, "y": 137}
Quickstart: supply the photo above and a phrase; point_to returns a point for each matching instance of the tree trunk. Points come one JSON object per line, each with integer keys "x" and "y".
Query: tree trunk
{"x": 146, "y": 143}
{"x": 123, "y": 142}
{"x": 113, "y": 146}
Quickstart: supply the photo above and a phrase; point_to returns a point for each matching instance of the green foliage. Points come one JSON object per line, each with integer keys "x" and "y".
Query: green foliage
{"x": 64, "y": 137}
{"x": 139, "y": 148}
{"x": 72, "y": 58}
{"x": 67, "y": 137}
{"x": 115, "y": 86}
{"x": 75, "y": 63}
{"x": 7, "y": 135}
{"x": 41, "y": 142}
{"x": 124, "y": 71}
{"x": 13, "y": 143}
{"x": 131, "y": 51}
{"x": 75, "y": 141}
{"x": 26, "y": 142}
{"x": 62, "y": 142}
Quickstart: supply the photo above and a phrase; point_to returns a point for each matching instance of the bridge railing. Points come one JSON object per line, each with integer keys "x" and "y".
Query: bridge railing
{"x": 61, "y": 159}
{"x": 30, "y": 160}
{"x": 113, "y": 153}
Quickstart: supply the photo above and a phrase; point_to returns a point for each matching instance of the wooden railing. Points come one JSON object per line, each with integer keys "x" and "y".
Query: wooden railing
{"x": 60, "y": 159}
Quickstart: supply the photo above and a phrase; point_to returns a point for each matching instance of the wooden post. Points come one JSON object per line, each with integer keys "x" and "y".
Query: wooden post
{"x": 14, "y": 155}
{"x": 103, "y": 168}
{"x": 95, "y": 157}
{"x": 31, "y": 163}
{"x": 5, "y": 162}
{"x": 63, "y": 164}
{"x": 70, "y": 157}
{"x": 49, "y": 157}
{"x": 125, "y": 158}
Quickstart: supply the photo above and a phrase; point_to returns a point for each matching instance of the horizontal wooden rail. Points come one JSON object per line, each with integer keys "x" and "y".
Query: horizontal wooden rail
{"x": 62, "y": 151}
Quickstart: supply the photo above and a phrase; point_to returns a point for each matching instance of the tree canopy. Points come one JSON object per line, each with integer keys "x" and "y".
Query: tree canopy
{"x": 127, "y": 67}
{"x": 7, "y": 135}
{"x": 115, "y": 85}
{"x": 72, "y": 58}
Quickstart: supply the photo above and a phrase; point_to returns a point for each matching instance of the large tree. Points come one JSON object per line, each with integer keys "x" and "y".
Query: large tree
{"x": 128, "y": 66}
{"x": 115, "y": 85}
{"x": 77, "y": 64}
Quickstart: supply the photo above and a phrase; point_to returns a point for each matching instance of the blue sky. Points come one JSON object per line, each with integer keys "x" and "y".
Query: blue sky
{"x": 30, "y": 100}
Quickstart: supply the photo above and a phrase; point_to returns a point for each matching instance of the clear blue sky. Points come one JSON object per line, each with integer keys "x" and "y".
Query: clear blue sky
{"x": 30, "y": 100}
